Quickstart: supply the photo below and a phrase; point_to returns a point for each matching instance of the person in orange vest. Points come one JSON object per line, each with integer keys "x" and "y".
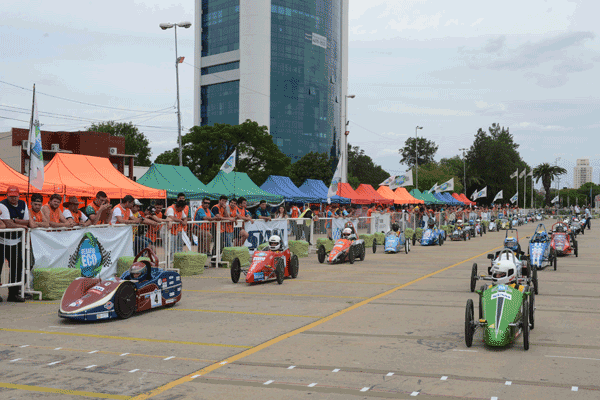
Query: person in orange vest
{"x": 177, "y": 214}
{"x": 36, "y": 218}
{"x": 99, "y": 210}
{"x": 121, "y": 213}
{"x": 220, "y": 209}
{"x": 245, "y": 216}
{"x": 295, "y": 212}
{"x": 72, "y": 212}
{"x": 52, "y": 212}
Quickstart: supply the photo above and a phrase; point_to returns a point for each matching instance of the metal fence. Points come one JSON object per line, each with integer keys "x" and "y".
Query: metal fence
{"x": 14, "y": 255}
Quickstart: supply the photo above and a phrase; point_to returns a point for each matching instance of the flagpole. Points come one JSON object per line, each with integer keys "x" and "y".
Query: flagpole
{"x": 517, "y": 186}
{"x": 525, "y": 190}
{"x": 29, "y": 144}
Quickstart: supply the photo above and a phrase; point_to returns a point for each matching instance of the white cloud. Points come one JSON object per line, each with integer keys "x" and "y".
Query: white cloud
{"x": 479, "y": 20}
{"x": 451, "y": 21}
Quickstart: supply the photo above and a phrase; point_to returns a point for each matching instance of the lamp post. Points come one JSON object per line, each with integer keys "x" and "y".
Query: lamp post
{"x": 345, "y": 141}
{"x": 165, "y": 26}
{"x": 417, "y": 158}
{"x": 558, "y": 181}
{"x": 464, "y": 170}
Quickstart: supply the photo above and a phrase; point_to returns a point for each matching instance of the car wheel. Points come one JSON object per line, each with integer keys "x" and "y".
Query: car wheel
{"x": 374, "y": 245}
{"x": 583, "y": 231}
{"x": 473, "y": 277}
{"x": 531, "y": 310}
{"x": 363, "y": 252}
{"x": 125, "y": 300}
{"x": 321, "y": 254}
{"x": 414, "y": 239}
{"x": 469, "y": 323}
{"x": 294, "y": 266}
{"x": 480, "y": 306}
{"x": 406, "y": 246}
{"x": 525, "y": 325}
{"x": 351, "y": 255}
{"x": 480, "y": 232}
{"x": 527, "y": 269}
{"x": 469, "y": 237}
{"x": 535, "y": 280}
{"x": 555, "y": 260}
{"x": 576, "y": 249}
{"x": 236, "y": 270}
{"x": 279, "y": 270}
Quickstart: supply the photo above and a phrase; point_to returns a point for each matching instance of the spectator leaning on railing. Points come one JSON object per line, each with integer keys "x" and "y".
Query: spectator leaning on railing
{"x": 121, "y": 213}
{"x": 52, "y": 212}
{"x": 224, "y": 213}
{"x": 36, "y": 217}
{"x": 140, "y": 241}
{"x": 204, "y": 234}
{"x": 153, "y": 230}
{"x": 262, "y": 212}
{"x": 73, "y": 213}
{"x": 177, "y": 215}
{"x": 246, "y": 217}
{"x": 99, "y": 210}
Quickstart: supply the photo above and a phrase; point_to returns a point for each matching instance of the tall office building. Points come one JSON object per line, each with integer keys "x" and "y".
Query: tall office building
{"x": 582, "y": 172}
{"x": 281, "y": 63}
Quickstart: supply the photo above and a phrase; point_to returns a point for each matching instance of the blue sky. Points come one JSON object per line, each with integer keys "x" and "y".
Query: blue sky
{"x": 451, "y": 67}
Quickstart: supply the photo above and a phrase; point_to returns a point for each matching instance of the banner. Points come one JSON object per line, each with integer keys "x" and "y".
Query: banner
{"x": 229, "y": 164}
{"x": 338, "y": 225}
{"x": 93, "y": 250}
{"x": 514, "y": 199}
{"x": 433, "y": 188}
{"x": 499, "y": 195}
{"x": 402, "y": 180}
{"x": 337, "y": 178}
{"x": 380, "y": 223}
{"x": 446, "y": 186}
{"x": 473, "y": 196}
{"x": 515, "y": 174}
{"x": 34, "y": 150}
{"x": 522, "y": 174}
{"x": 481, "y": 193}
{"x": 555, "y": 200}
{"x": 388, "y": 181}
{"x": 259, "y": 231}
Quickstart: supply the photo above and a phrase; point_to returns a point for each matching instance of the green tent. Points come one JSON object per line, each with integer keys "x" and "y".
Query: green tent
{"x": 425, "y": 196}
{"x": 174, "y": 179}
{"x": 236, "y": 184}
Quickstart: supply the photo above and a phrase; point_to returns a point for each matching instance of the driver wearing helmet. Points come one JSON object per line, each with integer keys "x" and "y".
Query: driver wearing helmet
{"x": 396, "y": 229}
{"x": 431, "y": 223}
{"x": 275, "y": 243}
{"x": 347, "y": 234}
{"x": 138, "y": 270}
{"x": 504, "y": 272}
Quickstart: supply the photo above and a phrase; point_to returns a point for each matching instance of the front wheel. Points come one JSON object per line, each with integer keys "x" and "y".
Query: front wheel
{"x": 321, "y": 254}
{"x": 294, "y": 266}
{"x": 363, "y": 250}
{"x": 469, "y": 323}
{"x": 525, "y": 325}
{"x": 531, "y": 310}
{"x": 351, "y": 255}
{"x": 414, "y": 239}
{"x": 125, "y": 301}
{"x": 554, "y": 261}
{"x": 279, "y": 270}
{"x": 535, "y": 279}
{"x": 236, "y": 270}
{"x": 473, "y": 277}
{"x": 406, "y": 246}
{"x": 576, "y": 249}
{"x": 374, "y": 245}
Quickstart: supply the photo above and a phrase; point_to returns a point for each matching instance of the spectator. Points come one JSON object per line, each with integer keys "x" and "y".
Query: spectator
{"x": 310, "y": 214}
{"x": 205, "y": 236}
{"x": 235, "y": 212}
{"x": 52, "y": 212}
{"x": 121, "y": 213}
{"x": 73, "y": 213}
{"x": 294, "y": 211}
{"x": 177, "y": 215}
{"x": 153, "y": 230}
{"x": 36, "y": 218}
{"x": 141, "y": 241}
{"x": 280, "y": 214}
{"x": 99, "y": 211}
{"x": 245, "y": 216}
{"x": 224, "y": 213}
{"x": 14, "y": 214}
{"x": 262, "y": 212}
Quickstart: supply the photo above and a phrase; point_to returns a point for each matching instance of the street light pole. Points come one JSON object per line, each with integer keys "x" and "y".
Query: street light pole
{"x": 165, "y": 26}
{"x": 417, "y": 157}
{"x": 557, "y": 181}
{"x": 345, "y": 141}
{"x": 464, "y": 171}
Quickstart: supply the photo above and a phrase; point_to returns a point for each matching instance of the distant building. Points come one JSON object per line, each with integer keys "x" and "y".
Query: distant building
{"x": 13, "y": 148}
{"x": 582, "y": 173}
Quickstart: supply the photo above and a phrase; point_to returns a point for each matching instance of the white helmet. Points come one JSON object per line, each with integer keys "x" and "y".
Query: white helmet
{"x": 504, "y": 272}
{"x": 478, "y": 220}
{"x": 346, "y": 233}
{"x": 459, "y": 222}
{"x": 275, "y": 243}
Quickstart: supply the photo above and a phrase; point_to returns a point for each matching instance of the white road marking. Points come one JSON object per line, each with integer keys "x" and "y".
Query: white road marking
{"x": 54, "y": 363}
{"x": 268, "y": 382}
{"x": 223, "y": 362}
{"x": 312, "y": 384}
{"x": 468, "y": 351}
{"x": 124, "y": 354}
{"x": 336, "y": 370}
{"x": 15, "y": 360}
{"x": 575, "y": 358}
{"x": 414, "y": 394}
{"x": 133, "y": 370}
{"x": 25, "y": 345}
{"x": 168, "y": 358}
{"x": 90, "y": 366}
{"x": 291, "y": 367}
{"x": 390, "y": 374}
{"x": 494, "y": 398}
{"x": 195, "y": 376}
{"x": 574, "y": 389}
{"x": 508, "y": 383}
{"x": 364, "y": 389}
{"x": 92, "y": 352}
{"x": 444, "y": 378}
{"x": 58, "y": 348}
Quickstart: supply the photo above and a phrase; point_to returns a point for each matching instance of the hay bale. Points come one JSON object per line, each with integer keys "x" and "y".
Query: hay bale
{"x": 419, "y": 233}
{"x": 124, "y": 263}
{"x": 327, "y": 243}
{"x": 189, "y": 263}
{"x": 409, "y": 232}
{"x": 242, "y": 252}
{"x": 368, "y": 238}
{"x": 380, "y": 237}
{"x": 262, "y": 246}
{"x": 485, "y": 223}
{"x": 53, "y": 282}
{"x": 299, "y": 247}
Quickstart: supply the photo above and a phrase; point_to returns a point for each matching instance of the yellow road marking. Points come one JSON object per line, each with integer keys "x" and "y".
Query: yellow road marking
{"x": 274, "y": 294}
{"x": 42, "y": 303}
{"x": 124, "y": 338}
{"x": 245, "y": 312}
{"x": 63, "y": 391}
{"x": 255, "y": 349}
{"x": 349, "y": 282}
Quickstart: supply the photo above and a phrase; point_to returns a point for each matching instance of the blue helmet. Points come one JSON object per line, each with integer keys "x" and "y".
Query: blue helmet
{"x": 511, "y": 243}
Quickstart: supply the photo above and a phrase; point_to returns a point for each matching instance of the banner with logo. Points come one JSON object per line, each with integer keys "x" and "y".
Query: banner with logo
{"x": 94, "y": 251}
{"x": 338, "y": 226}
{"x": 259, "y": 231}
{"x": 380, "y": 222}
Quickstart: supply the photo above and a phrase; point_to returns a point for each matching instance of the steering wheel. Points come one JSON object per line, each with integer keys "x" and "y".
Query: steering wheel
{"x": 151, "y": 255}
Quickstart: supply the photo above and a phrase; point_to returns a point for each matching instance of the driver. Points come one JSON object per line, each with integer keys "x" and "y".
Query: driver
{"x": 396, "y": 229}
{"x": 459, "y": 224}
{"x": 505, "y": 273}
{"x": 431, "y": 223}
{"x": 138, "y": 270}
{"x": 275, "y": 243}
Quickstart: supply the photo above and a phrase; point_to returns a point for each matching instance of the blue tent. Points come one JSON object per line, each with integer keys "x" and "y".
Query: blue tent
{"x": 441, "y": 198}
{"x": 283, "y": 185}
{"x": 318, "y": 190}
{"x": 451, "y": 200}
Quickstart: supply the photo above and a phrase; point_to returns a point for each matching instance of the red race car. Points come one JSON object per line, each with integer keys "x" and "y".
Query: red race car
{"x": 275, "y": 262}
{"x": 347, "y": 248}
{"x": 563, "y": 242}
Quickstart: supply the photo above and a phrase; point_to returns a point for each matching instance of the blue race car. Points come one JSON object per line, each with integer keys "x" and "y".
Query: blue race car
{"x": 432, "y": 235}
{"x": 395, "y": 241}
{"x": 541, "y": 254}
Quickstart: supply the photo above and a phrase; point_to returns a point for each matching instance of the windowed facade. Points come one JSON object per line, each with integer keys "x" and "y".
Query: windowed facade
{"x": 221, "y": 68}
{"x": 220, "y": 26}
{"x": 221, "y": 103}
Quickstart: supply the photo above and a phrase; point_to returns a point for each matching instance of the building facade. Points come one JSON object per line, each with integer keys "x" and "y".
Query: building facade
{"x": 281, "y": 63}
{"x": 582, "y": 173}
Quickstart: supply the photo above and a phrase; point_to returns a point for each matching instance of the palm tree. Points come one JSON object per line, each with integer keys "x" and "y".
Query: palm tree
{"x": 547, "y": 173}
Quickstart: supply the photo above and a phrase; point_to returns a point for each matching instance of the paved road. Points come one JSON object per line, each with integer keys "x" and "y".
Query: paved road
{"x": 389, "y": 327}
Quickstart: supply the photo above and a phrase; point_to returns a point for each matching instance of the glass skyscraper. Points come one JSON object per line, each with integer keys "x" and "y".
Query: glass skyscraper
{"x": 281, "y": 63}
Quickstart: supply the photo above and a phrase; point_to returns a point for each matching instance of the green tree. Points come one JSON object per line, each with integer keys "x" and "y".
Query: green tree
{"x": 432, "y": 173}
{"x": 426, "y": 150}
{"x": 136, "y": 143}
{"x": 312, "y": 166}
{"x": 362, "y": 168}
{"x": 205, "y": 148}
{"x": 547, "y": 173}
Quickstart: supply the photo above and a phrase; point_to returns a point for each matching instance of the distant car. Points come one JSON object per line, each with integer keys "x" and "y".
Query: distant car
{"x": 267, "y": 265}
{"x": 345, "y": 249}
{"x": 396, "y": 242}
{"x": 541, "y": 254}
{"x": 459, "y": 233}
{"x": 563, "y": 242}
{"x": 92, "y": 299}
{"x": 432, "y": 236}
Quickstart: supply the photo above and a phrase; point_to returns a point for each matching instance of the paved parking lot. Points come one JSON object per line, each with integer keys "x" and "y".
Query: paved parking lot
{"x": 390, "y": 327}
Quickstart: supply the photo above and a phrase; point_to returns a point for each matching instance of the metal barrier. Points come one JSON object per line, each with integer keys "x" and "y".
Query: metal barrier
{"x": 14, "y": 255}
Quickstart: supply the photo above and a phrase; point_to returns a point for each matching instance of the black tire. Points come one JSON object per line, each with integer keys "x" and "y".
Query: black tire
{"x": 480, "y": 232}
{"x": 406, "y": 246}
{"x": 532, "y": 310}
{"x": 583, "y": 231}
{"x": 465, "y": 237}
{"x": 468, "y": 236}
{"x": 294, "y": 266}
{"x": 525, "y": 325}
{"x": 236, "y": 270}
{"x": 535, "y": 280}
{"x": 473, "y": 277}
{"x": 440, "y": 240}
{"x": 576, "y": 249}
{"x": 351, "y": 254}
{"x": 469, "y": 323}
{"x": 321, "y": 254}
{"x": 554, "y": 261}
{"x": 125, "y": 300}
{"x": 528, "y": 268}
{"x": 363, "y": 252}
{"x": 279, "y": 270}
{"x": 480, "y": 307}
{"x": 484, "y": 230}
{"x": 414, "y": 239}
{"x": 374, "y": 245}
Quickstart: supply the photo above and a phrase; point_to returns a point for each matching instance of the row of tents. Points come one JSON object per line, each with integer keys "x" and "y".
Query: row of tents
{"x": 83, "y": 176}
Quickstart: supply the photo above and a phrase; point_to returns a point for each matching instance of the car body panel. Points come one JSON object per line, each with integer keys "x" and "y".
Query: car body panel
{"x": 262, "y": 265}
{"x": 502, "y": 306}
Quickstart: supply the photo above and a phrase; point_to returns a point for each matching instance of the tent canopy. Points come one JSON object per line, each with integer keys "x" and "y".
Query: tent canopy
{"x": 84, "y": 176}
{"x": 466, "y": 200}
{"x": 369, "y": 192}
{"x": 284, "y": 186}
{"x": 10, "y": 177}
{"x": 345, "y": 190}
{"x": 457, "y": 197}
{"x": 237, "y": 184}
{"x": 406, "y": 197}
{"x": 318, "y": 190}
{"x": 426, "y": 196}
{"x": 174, "y": 179}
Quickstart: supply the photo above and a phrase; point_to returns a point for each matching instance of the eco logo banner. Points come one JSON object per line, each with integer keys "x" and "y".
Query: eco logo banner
{"x": 90, "y": 256}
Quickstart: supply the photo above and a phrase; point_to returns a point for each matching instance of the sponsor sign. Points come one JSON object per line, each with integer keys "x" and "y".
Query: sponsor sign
{"x": 260, "y": 231}
{"x": 505, "y": 295}
{"x": 379, "y": 222}
{"x": 319, "y": 40}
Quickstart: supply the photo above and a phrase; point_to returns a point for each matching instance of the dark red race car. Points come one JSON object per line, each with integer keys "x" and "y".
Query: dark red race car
{"x": 266, "y": 265}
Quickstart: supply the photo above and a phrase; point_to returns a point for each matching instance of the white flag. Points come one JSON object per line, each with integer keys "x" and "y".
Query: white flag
{"x": 555, "y": 200}
{"x": 433, "y": 188}
{"x": 530, "y": 173}
{"x": 474, "y": 195}
{"x": 337, "y": 178}
{"x": 522, "y": 174}
{"x": 36, "y": 155}
{"x": 498, "y": 196}
{"x": 402, "y": 180}
{"x": 229, "y": 164}
{"x": 514, "y": 175}
{"x": 514, "y": 198}
{"x": 481, "y": 193}
{"x": 388, "y": 181}
{"x": 446, "y": 186}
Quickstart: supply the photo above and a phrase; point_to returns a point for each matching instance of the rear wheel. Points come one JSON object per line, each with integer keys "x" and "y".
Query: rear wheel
{"x": 321, "y": 254}
{"x": 473, "y": 277}
{"x": 374, "y": 245}
{"x": 535, "y": 280}
{"x": 125, "y": 301}
{"x": 576, "y": 249}
{"x": 363, "y": 250}
{"x": 279, "y": 270}
{"x": 351, "y": 255}
{"x": 406, "y": 246}
{"x": 480, "y": 307}
{"x": 294, "y": 266}
{"x": 414, "y": 239}
{"x": 236, "y": 270}
{"x": 525, "y": 325}
{"x": 469, "y": 323}
{"x": 554, "y": 260}
{"x": 531, "y": 310}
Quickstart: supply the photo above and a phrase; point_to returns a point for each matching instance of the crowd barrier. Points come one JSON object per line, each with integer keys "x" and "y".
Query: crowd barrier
{"x": 13, "y": 255}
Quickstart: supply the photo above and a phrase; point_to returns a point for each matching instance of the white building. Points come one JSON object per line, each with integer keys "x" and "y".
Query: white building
{"x": 582, "y": 173}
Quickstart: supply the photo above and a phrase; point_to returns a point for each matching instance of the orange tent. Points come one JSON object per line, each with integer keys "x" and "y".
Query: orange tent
{"x": 368, "y": 191}
{"x": 386, "y": 192}
{"x": 10, "y": 177}
{"x": 84, "y": 176}
{"x": 406, "y": 197}
{"x": 345, "y": 190}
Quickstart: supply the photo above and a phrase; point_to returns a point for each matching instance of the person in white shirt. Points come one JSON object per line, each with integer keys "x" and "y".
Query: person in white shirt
{"x": 72, "y": 212}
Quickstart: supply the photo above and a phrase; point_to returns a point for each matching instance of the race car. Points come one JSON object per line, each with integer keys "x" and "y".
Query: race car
{"x": 541, "y": 254}
{"x": 524, "y": 274}
{"x": 432, "y": 235}
{"x": 347, "y": 248}
{"x": 511, "y": 241}
{"x": 563, "y": 242}
{"x": 576, "y": 226}
{"x": 492, "y": 227}
{"x": 470, "y": 227}
{"x": 504, "y": 223}
{"x": 274, "y": 262}
{"x": 143, "y": 287}
{"x": 459, "y": 233}
{"x": 395, "y": 241}
{"x": 479, "y": 227}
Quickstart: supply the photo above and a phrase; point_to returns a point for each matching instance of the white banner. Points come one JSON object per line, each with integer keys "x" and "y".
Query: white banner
{"x": 402, "y": 180}
{"x": 259, "y": 231}
{"x": 380, "y": 223}
{"x": 229, "y": 164}
{"x": 337, "y": 178}
{"x": 94, "y": 250}
{"x": 338, "y": 225}
{"x": 446, "y": 186}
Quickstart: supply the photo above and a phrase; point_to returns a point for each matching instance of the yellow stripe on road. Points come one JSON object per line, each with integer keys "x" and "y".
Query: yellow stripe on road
{"x": 63, "y": 391}
{"x": 275, "y": 294}
{"x": 245, "y": 312}
{"x": 269, "y": 343}
{"x": 124, "y": 338}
